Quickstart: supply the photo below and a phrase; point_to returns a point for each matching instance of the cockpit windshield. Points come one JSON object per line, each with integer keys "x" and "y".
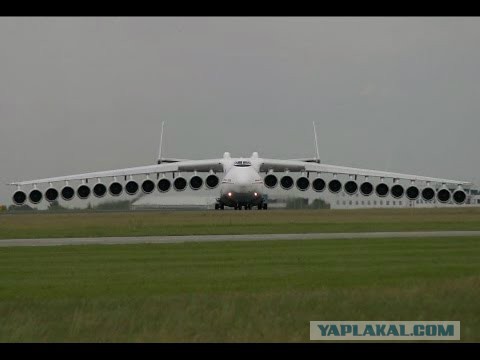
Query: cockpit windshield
{"x": 242, "y": 163}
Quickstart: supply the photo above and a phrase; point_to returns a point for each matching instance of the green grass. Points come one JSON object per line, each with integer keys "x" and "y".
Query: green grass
{"x": 235, "y": 222}
{"x": 233, "y": 291}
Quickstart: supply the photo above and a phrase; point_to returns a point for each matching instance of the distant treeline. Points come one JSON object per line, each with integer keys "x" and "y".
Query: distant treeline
{"x": 302, "y": 203}
{"x": 56, "y": 207}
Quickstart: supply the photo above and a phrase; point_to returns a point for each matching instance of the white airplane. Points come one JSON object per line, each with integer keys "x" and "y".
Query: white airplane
{"x": 242, "y": 184}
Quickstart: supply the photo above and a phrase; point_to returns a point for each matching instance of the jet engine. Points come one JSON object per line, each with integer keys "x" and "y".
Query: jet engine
{"x": 335, "y": 186}
{"x": 99, "y": 190}
{"x": 51, "y": 194}
{"x": 148, "y": 186}
{"x": 286, "y": 182}
{"x": 115, "y": 188}
{"x": 83, "y": 192}
{"x": 428, "y": 194}
{"x": 412, "y": 193}
{"x": 397, "y": 191}
{"x": 459, "y": 196}
{"x": 35, "y": 196}
{"x": 212, "y": 181}
{"x": 19, "y": 198}
{"x": 382, "y": 189}
{"x": 366, "y": 189}
{"x": 270, "y": 181}
{"x": 444, "y": 195}
{"x": 318, "y": 184}
{"x": 303, "y": 183}
{"x": 180, "y": 183}
{"x": 351, "y": 187}
{"x": 131, "y": 187}
{"x": 196, "y": 182}
{"x": 164, "y": 185}
{"x": 67, "y": 193}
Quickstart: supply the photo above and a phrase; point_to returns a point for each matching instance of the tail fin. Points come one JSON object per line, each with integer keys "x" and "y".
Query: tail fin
{"x": 316, "y": 143}
{"x": 159, "y": 161}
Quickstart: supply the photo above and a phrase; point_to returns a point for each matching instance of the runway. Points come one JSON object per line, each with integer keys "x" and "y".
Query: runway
{"x": 213, "y": 238}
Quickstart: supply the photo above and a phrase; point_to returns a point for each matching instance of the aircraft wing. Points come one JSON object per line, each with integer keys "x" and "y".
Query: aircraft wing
{"x": 299, "y": 166}
{"x": 188, "y": 165}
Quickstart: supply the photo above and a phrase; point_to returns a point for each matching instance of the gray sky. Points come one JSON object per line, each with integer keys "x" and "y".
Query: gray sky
{"x": 89, "y": 94}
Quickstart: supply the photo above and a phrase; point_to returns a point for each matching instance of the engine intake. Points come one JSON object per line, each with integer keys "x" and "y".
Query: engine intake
{"x": 335, "y": 186}
{"x": 428, "y": 194}
{"x": 444, "y": 195}
{"x": 270, "y": 181}
{"x": 318, "y": 184}
{"x": 366, "y": 189}
{"x": 180, "y": 183}
{"x": 286, "y": 182}
{"x": 35, "y": 196}
{"x": 131, "y": 188}
{"x": 413, "y": 193}
{"x": 459, "y": 197}
{"x": 99, "y": 190}
{"x": 164, "y": 185}
{"x": 382, "y": 190}
{"x": 83, "y": 192}
{"x": 351, "y": 187}
{"x": 115, "y": 188}
{"x": 212, "y": 181}
{"x": 397, "y": 191}
{"x": 67, "y": 193}
{"x": 51, "y": 194}
{"x": 19, "y": 198}
{"x": 148, "y": 186}
{"x": 196, "y": 182}
{"x": 303, "y": 183}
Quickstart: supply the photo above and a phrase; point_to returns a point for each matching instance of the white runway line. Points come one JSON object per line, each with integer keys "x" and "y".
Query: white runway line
{"x": 212, "y": 238}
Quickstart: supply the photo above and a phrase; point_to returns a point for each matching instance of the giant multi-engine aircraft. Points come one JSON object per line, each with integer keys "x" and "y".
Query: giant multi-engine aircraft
{"x": 243, "y": 181}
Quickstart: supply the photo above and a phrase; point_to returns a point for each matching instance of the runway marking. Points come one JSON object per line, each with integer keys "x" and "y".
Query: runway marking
{"x": 213, "y": 238}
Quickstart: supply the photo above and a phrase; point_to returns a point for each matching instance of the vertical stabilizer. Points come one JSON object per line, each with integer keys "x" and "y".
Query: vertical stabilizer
{"x": 161, "y": 145}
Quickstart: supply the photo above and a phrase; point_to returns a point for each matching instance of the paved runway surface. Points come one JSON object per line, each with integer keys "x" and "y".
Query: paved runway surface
{"x": 209, "y": 238}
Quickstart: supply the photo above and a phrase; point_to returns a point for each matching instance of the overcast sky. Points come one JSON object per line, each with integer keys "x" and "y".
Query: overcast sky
{"x": 89, "y": 94}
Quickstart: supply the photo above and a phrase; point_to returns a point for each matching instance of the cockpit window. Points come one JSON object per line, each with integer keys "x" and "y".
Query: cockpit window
{"x": 243, "y": 163}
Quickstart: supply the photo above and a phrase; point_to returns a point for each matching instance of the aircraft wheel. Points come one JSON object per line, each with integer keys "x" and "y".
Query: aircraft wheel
{"x": 222, "y": 207}
{"x": 265, "y": 206}
{"x": 259, "y": 206}
{"x": 216, "y": 206}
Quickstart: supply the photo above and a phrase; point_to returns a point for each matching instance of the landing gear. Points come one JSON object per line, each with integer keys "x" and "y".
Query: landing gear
{"x": 265, "y": 206}
{"x": 220, "y": 206}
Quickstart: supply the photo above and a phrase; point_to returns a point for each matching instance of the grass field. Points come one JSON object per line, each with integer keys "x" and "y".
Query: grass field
{"x": 235, "y": 291}
{"x": 235, "y": 222}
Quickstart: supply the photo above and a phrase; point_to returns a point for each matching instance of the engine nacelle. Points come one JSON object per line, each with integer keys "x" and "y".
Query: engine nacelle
{"x": 444, "y": 195}
{"x": 148, "y": 186}
{"x": 196, "y": 182}
{"x": 164, "y": 185}
{"x": 131, "y": 187}
{"x": 19, "y": 198}
{"x": 286, "y": 182}
{"x": 335, "y": 186}
{"x": 366, "y": 189}
{"x": 180, "y": 183}
{"x": 51, "y": 194}
{"x": 428, "y": 194}
{"x": 412, "y": 193}
{"x": 115, "y": 188}
{"x": 351, "y": 187}
{"x": 459, "y": 197}
{"x": 303, "y": 183}
{"x": 83, "y": 192}
{"x": 212, "y": 181}
{"x": 67, "y": 193}
{"x": 270, "y": 181}
{"x": 318, "y": 184}
{"x": 35, "y": 196}
{"x": 99, "y": 190}
{"x": 382, "y": 190}
{"x": 397, "y": 191}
